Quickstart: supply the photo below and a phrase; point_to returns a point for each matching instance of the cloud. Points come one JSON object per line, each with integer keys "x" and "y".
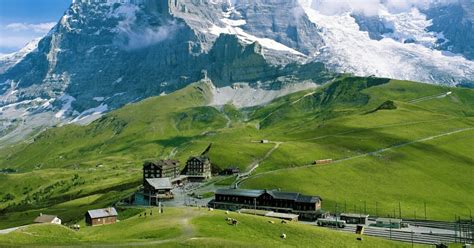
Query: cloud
{"x": 32, "y": 27}
{"x": 14, "y": 36}
{"x": 135, "y": 35}
{"x": 135, "y": 39}
{"x": 9, "y": 44}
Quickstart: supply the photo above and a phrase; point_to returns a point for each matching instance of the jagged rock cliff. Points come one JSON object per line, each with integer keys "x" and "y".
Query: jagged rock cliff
{"x": 104, "y": 54}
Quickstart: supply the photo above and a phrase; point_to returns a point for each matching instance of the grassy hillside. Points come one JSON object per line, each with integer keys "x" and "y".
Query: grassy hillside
{"x": 393, "y": 142}
{"x": 192, "y": 228}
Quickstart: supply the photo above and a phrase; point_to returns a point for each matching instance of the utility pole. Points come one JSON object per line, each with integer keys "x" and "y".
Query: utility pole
{"x": 255, "y": 206}
{"x": 376, "y": 210}
{"x": 425, "y": 210}
{"x": 390, "y": 229}
{"x": 399, "y": 210}
{"x": 455, "y": 229}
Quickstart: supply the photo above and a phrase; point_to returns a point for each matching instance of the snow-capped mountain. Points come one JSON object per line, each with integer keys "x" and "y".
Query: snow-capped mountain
{"x": 104, "y": 54}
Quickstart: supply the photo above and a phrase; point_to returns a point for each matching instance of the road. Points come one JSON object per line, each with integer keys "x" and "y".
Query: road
{"x": 254, "y": 165}
{"x": 9, "y": 230}
{"x": 426, "y": 98}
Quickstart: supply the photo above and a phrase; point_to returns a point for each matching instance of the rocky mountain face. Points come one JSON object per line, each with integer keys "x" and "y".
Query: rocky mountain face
{"x": 456, "y": 22}
{"x": 104, "y": 54}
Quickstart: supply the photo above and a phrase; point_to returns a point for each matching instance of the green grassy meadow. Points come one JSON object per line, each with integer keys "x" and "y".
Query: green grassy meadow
{"x": 418, "y": 153}
{"x": 178, "y": 227}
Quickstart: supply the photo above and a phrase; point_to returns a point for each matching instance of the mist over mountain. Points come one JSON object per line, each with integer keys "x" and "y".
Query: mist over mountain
{"x": 104, "y": 54}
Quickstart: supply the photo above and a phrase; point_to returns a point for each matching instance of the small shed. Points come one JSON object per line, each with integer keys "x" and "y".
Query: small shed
{"x": 103, "y": 216}
{"x": 361, "y": 219}
{"x": 49, "y": 219}
{"x": 388, "y": 223}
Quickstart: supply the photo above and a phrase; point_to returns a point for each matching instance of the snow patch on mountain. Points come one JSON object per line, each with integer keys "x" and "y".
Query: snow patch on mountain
{"x": 233, "y": 27}
{"x": 67, "y": 106}
{"x": 347, "y": 49}
{"x": 91, "y": 115}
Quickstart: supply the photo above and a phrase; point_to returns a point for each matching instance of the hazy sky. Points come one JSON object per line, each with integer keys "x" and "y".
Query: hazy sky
{"x": 23, "y": 20}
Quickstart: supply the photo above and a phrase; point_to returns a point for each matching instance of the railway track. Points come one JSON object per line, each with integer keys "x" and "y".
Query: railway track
{"x": 416, "y": 238}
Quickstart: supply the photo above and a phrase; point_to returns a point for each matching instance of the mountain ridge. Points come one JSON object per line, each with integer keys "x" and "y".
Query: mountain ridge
{"x": 105, "y": 54}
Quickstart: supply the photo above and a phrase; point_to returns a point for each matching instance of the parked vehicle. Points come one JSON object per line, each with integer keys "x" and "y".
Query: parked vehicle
{"x": 331, "y": 222}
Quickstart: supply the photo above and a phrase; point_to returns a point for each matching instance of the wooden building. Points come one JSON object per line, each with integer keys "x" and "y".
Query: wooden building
{"x": 48, "y": 219}
{"x": 307, "y": 207}
{"x": 156, "y": 189}
{"x": 198, "y": 168}
{"x": 361, "y": 219}
{"x": 160, "y": 169}
{"x": 103, "y": 216}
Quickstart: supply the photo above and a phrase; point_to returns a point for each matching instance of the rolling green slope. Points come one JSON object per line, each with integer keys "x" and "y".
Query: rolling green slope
{"x": 392, "y": 142}
{"x": 192, "y": 228}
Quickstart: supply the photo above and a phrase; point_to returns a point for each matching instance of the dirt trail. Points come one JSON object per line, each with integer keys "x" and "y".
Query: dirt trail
{"x": 254, "y": 165}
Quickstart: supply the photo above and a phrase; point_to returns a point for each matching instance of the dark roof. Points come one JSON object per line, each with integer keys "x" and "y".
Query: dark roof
{"x": 45, "y": 218}
{"x": 101, "y": 213}
{"x": 308, "y": 199}
{"x": 163, "y": 163}
{"x": 292, "y": 196}
{"x": 283, "y": 195}
{"x": 202, "y": 159}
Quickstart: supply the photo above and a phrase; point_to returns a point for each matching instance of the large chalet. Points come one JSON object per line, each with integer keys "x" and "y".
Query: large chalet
{"x": 199, "y": 168}
{"x": 161, "y": 169}
{"x": 307, "y": 207}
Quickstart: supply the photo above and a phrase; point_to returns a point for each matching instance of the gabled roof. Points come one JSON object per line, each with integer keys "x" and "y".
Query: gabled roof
{"x": 308, "y": 199}
{"x": 162, "y": 163}
{"x": 45, "y": 218}
{"x": 160, "y": 183}
{"x": 202, "y": 159}
{"x": 283, "y": 195}
{"x": 101, "y": 213}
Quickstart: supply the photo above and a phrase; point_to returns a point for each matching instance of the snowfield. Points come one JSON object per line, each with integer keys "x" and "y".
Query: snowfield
{"x": 347, "y": 49}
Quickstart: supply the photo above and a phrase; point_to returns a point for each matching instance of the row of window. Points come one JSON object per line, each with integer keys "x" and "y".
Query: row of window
{"x": 280, "y": 204}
